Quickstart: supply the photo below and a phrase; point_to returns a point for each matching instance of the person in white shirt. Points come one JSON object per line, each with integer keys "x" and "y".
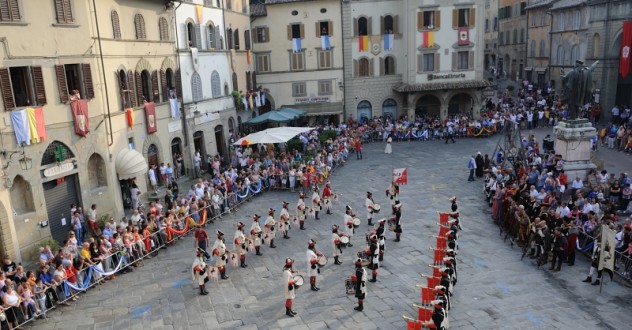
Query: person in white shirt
{"x": 577, "y": 184}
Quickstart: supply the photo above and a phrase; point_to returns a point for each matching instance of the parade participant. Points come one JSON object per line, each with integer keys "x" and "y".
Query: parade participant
{"x": 438, "y": 315}
{"x": 201, "y": 240}
{"x": 397, "y": 212}
{"x": 381, "y": 237}
{"x": 316, "y": 201}
{"x": 300, "y": 211}
{"x": 374, "y": 254}
{"x": 269, "y": 227}
{"x": 595, "y": 263}
{"x": 393, "y": 193}
{"x": 348, "y": 224}
{"x": 240, "y": 244}
{"x": 219, "y": 250}
{"x": 288, "y": 286}
{"x": 327, "y": 197}
{"x": 255, "y": 234}
{"x": 335, "y": 242}
{"x": 558, "y": 248}
{"x": 285, "y": 220}
{"x": 369, "y": 207}
{"x": 198, "y": 271}
{"x": 455, "y": 208}
{"x": 312, "y": 264}
{"x": 360, "y": 284}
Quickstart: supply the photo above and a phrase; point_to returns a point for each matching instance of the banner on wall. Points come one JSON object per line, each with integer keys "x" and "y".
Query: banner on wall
{"x": 626, "y": 46}
{"x": 150, "y": 117}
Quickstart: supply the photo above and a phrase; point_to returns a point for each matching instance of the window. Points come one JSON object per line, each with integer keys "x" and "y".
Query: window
{"x": 532, "y": 48}
{"x": 229, "y": 38}
{"x": 516, "y": 10}
{"x": 248, "y": 81}
{"x": 560, "y": 55}
{"x": 325, "y": 28}
{"x": 325, "y": 87}
{"x": 363, "y": 67}
{"x": 126, "y": 101}
{"x": 533, "y": 19}
{"x": 168, "y": 85}
{"x": 145, "y": 82}
{"x": 216, "y": 84}
{"x": 236, "y": 39}
{"x": 263, "y": 62}
{"x": 495, "y": 23}
{"x": 596, "y": 45}
{"x": 116, "y": 25}
{"x": 63, "y": 11}
{"x": 574, "y": 54}
{"x": 389, "y": 26}
{"x": 543, "y": 16}
{"x": 428, "y": 62}
{"x": 577, "y": 20}
{"x": 507, "y": 38}
{"x": 210, "y": 36}
{"x": 196, "y": 87}
{"x": 428, "y": 19}
{"x": 542, "y": 49}
{"x": 296, "y": 31}
{"x": 139, "y": 27}
{"x": 298, "y": 89}
{"x": 363, "y": 26}
{"x": 523, "y": 11}
{"x": 462, "y": 60}
{"x": 515, "y": 36}
{"x": 325, "y": 59}
{"x": 235, "y": 82}
{"x": 560, "y": 22}
{"x": 465, "y": 17}
{"x": 522, "y": 36}
{"x": 163, "y": 29}
{"x": 487, "y": 25}
{"x": 389, "y": 65}
{"x": 96, "y": 171}
{"x": 22, "y": 86}
{"x": 194, "y": 37}
{"x": 262, "y": 34}
{"x": 74, "y": 77}
{"x": 10, "y": 11}
{"x": 297, "y": 61}
{"x": 247, "y": 39}
{"x": 501, "y": 38}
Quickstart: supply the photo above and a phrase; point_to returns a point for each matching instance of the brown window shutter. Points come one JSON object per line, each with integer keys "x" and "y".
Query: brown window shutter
{"x": 267, "y": 34}
{"x": 396, "y": 24}
{"x": 472, "y": 17}
{"x": 302, "y": 31}
{"x": 7, "y": 89}
{"x": 330, "y": 28}
{"x": 163, "y": 86}
{"x": 38, "y": 83}
{"x": 317, "y": 29}
{"x": 178, "y": 84}
{"x": 62, "y": 86}
{"x": 455, "y": 18}
{"x": 87, "y": 78}
{"x": 382, "y": 29}
{"x": 420, "y": 58}
{"x": 355, "y": 68}
{"x": 420, "y": 20}
{"x": 355, "y": 27}
{"x": 437, "y": 58}
{"x": 454, "y": 61}
{"x": 68, "y": 12}
{"x": 371, "y": 62}
{"x": 132, "y": 88}
{"x": 10, "y": 11}
{"x": 154, "y": 86}
{"x": 437, "y": 19}
{"x": 139, "y": 88}
{"x": 381, "y": 66}
{"x": 369, "y": 26}
{"x": 289, "y": 32}
{"x": 59, "y": 11}
{"x": 470, "y": 62}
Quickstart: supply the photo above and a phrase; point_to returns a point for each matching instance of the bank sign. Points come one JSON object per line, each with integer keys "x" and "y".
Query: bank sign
{"x": 311, "y": 100}
{"x": 433, "y": 76}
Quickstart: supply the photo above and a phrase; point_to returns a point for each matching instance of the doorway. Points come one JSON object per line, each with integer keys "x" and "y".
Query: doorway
{"x": 198, "y": 143}
{"x": 221, "y": 143}
{"x": 59, "y": 194}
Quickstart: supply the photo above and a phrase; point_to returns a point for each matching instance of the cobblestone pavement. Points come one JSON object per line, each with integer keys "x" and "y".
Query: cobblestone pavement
{"x": 495, "y": 289}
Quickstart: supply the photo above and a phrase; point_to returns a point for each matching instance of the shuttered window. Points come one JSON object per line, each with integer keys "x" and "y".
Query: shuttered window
{"x": 299, "y": 89}
{"x": 262, "y": 34}
{"x": 163, "y": 29}
{"x": 297, "y": 61}
{"x": 116, "y": 25}
{"x": 325, "y": 59}
{"x": 22, "y": 86}
{"x": 131, "y": 87}
{"x": 196, "y": 87}
{"x": 63, "y": 10}
{"x": 235, "y": 82}
{"x": 154, "y": 86}
{"x": 74, "y": 77}
{"x": 10, "y": 11}
{"x": 216, "y": 84}
{"x": 263, "y": 62}
{"x": 139, "y": 27}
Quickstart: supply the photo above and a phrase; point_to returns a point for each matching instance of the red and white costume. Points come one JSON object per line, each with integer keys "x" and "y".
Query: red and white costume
{"x": 327, "y": 197}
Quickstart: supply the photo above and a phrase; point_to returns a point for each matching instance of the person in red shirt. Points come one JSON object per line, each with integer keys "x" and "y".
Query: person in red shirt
{"x": 326, "y": 197}
{"x": 358, "y": 148}
{"x": 563, "y": 178}
{"x": 201, "y": 240}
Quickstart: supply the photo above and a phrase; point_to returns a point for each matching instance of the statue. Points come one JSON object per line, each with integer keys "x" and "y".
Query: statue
{"x": 577, "y": 87}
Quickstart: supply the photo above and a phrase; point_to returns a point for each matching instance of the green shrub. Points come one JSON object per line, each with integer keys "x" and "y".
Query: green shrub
{"x": 294, "y": 144}
{"x": 326, "y": 135}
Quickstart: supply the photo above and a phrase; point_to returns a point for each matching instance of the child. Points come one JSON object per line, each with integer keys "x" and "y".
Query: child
{"x": 39, "y": 292}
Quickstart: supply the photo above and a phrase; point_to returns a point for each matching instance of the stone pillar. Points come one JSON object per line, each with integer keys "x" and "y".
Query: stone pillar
{"x": 572, "y": 141}
{"x": 409, "y": 107}
{"x": 444, "y": 112}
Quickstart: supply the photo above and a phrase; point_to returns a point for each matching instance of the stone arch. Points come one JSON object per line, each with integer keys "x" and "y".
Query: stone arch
{"x": 460, "y": 102}
{"x": 21, "y": 196}
{"x": 143, "y": 64}
{"x": 428, "y": 105}
{"x": 364, "y": 109}
{"x": 615, "y": 47}
{"x": 389, "y": 107}
{"x": 97, "y": 173}
{"x": 168, "y": 63}
{"x": 149, "y": 140}
{"x": 5, "y": 232}
{"x": 53, "y": 150}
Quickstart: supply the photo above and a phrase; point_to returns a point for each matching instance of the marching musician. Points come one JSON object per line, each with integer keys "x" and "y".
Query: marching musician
{"x": 316, "y": 202}
{"x": 289, "y": 287}
{"x": 369, "y": 203}
{"x": 239, "y": 242}
{"x": 393, "y": 193}
{"x": 374, "y": 254}
{"x": 348, "y": 224}
{"x": 336, "y": 244}
{"x": 439, "y": 316}
{"x": 300, "y": 211}
{"x": 397, "y": 213}
{"x": 219, "y": 250}
{"x": 268, "y": 226}
{"x": 327, "y": 197}
{"x": 381, "y": 237}
{"x": 454, "y": 207}
{"x": 360, "y": 284}
{"x": 285, "y": 220}
{"x": 255, "y": 233}
{"x": 198, "y": 271}
{"x": 312, "y": 264}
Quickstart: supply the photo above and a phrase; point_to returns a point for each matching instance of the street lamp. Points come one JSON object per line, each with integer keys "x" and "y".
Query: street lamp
{"x": 26, "y": 163}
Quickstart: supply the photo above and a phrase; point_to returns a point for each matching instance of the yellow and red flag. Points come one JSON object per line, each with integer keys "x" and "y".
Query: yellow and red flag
{"x": 363, "y": 44}
{"x": 427, "y": 39}
{"x": 249, "y": 57}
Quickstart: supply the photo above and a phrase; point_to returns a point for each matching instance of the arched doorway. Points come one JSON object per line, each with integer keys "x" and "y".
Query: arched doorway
{"x": 221, "y": 142}
{"x": 428, "y": 105}
{"x": 176, "y": 152}
{"x": 231, "y": 125}
{"x": 460, "y": 103}
{"x": 199, "y": 144}
{"x": 239, "y": 123}
{"x": 268, "y": 106}
{"x": 389, "y": 108}
{"x": 365, "y": 111}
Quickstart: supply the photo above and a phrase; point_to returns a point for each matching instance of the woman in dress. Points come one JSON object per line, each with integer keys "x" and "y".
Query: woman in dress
{"x": 388, "y": 149}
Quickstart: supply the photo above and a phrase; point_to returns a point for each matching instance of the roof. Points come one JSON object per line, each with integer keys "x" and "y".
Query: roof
{"x": 258, "y": 10}
{"x": 562, "y": 4}
{"x": 433, "y": 86}
{"x": 538, "y": 4}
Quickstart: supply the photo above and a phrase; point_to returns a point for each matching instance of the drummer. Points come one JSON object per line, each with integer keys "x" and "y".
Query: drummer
{"x": 239, "y": 242}
{"x": 381, "y": 237}
{"x": 348, "y": 223}
{"x": 312, "y": 264}
{"x": 255, "y": 233}
{"x": 360, "y": 284}
{"x": 300, "y": 211}
{"x": 327, "y": 196}
{"x": 397, "y": 213}
{"x": 336, "y": 244}
{"x": 289, "y": 287}
{"x": 316, "y": 202}
{"x": 269, "y": 227}
{"x": 285, "y": 220}
{"x": 393, "y": 193}
{"x": 199, "y": 271}
{"x": 369, "y": 203}
{"x": 374, "y": 252}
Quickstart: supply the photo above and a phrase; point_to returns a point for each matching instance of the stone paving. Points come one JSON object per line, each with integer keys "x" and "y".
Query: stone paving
{"x": 495, "y": 289}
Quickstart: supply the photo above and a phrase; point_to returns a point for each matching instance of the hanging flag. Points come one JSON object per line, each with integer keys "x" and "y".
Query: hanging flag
{"x": 324, "y": 42}
{"x": 464, "y": 36}
{"x": 400, "y": 176}
{"x": 129, "y": 115}
{"x": 296, "y": 45}
{"x": 20, "y": 127}
{"x": 428, "y": 39}
{"x": 41, "y": 123}
{"x": 258, "y": 99}
{"x": 424, "y": 314}
{"x": 389, "y": 40}
{"x": 363, "y": 44}
{"x": 198, "y": 11}
{"x": 80, "y": 114}
{"x": 32, "y": 124}
{"x": 263, "y": 98}
{"x": 606, "y": 255}
{"x": 414, "y": 325}
{"x": 150, "y": 114}
{"x": 427, "y": 295}
{"x": 250, "y": 101}
{"x": 626, "y": 46}
{"x": 248, "y": 57}
{"x": 245, "y": 102}
{"x": 175, "y": 110}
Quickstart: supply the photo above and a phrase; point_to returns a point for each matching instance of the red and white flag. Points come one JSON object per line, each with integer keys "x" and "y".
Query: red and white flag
{"x": 626, "y": 45}
{"x": 400, "y": 176}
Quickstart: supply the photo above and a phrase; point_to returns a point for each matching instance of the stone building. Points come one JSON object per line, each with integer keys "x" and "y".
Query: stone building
{"x": 569, "y": 37}
{"x": 406, "y": 58}
{"x": 538, "y": 41}
{"x": 512, "y": 39}
{"x": 491, "y": 34}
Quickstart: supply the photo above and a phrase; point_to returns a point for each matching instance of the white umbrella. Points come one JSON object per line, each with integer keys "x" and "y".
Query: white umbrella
{"x": 273, "y": 135}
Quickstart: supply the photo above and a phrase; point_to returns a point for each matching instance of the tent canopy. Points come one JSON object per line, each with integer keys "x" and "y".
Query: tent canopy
{"x": 293, "y": 111}
{"x": 130, "y": 164}
{"x": 272, "y": 116}
{"x": 272, "y": 135}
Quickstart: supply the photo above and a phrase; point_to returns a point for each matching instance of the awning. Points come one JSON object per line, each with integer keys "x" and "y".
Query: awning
{"x": 540, "y": 69}
{"x": 130, "y": 164}
{"x": 528, "y": 68}
{"x": 433, "y": 86}
{"x": 329, "y": 113}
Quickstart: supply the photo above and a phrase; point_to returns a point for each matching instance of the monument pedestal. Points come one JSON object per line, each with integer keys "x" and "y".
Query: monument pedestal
{"x": 572, "y": 141}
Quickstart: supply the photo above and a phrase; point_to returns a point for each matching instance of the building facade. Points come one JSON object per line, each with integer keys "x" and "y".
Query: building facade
{"x": 569, "y": 37}
{"x": 512, "y": 39}
{"x": 299, "y": 56}
{"x": 405, "y": 58}
{"x": 491, "y": 34}
{"x": 538, "y": 42}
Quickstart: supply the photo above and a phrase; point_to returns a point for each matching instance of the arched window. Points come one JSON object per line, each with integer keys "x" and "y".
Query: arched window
{"x": 163, "y": 29}
{"x": 363, "y": 67}
{"x": 542, "y": 49}
{"x": 54, "y": 152}
{"x": 236, "y": 40}
{"x": 365, "y": 110}
{"x": 388, "y": 24}
{"x": 21, "y": 196}
{"x": 116, "y": 25}
{"x": 231, "y": 125}
{"x": 191, "y": 35}
{"x": 389, "y": 65}
{"x": 226, "y": 90}
{"x": 522, "y": 36}
{"x": 145, "y": 79}
{"x": 196, "y": 87}
{"x": 247, "y": 39}
{"x": 574, "y": 54}
{"x": 96, "y": 171}
{"x": 210, "y": 36}
{"x": 253, "y": 78}
{"x": 389, "y": 108}
{"x": 560, "y": 55}
{"x": 532, "y": 48}
{"x": 229, "y": 38}
{"x": 139, "y": 27}
{"x": 363, "y": 26}
{"x": 216, "y": 84}
{"x": 596, "y": 45}
{"x": 123, "y": 87}
{"x": 235, "y": 82}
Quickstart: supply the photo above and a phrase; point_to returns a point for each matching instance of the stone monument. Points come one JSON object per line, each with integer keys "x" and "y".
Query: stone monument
{"x": 573, "y": 136}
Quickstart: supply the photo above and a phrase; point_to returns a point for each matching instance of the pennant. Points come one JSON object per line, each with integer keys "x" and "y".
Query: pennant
{"x": 608, "y": 243}
{"x": 389, "y": 40}
{"x": 443, "y": 230}
{"x": 296, "y": 45}
{"x": 428, "y": 39}
{"x": 129, "y": 115}
{"x": 41, "y": 123}
{"x": 427, "y": 295}
{"x": 150, "y": 115}
{"x": 438, "y": 258}
{"x": 414, "y": 325}
{"x": 248, "y": 57}
{"x": 363, "y": 44}
{"x": 20, "y": 127}
{"x": 626, "y": 46}
{"x": 464, "y": 36}
{"x": 324, "y": 42}
{"x": 80, "y": 114}
{"x": 400, "y": 176}
{"x": 424, "y": 314}
{"x": 198, "y": 12}
{"x": 175, "y": 109}
{"x": 32, "y": 123}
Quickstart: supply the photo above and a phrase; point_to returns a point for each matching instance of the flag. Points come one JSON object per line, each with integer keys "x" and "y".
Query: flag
{"x": 296, "y": 45}
{"x": 175, "y": 110}
{"x": 427, "y": 295}
{"x": 400, "y": 176}
{"x": 363, "y": 44}
{"x": 626, "y": 45}
{"x": 414, "y": 325}
{"x": 606, "y": 256}
{"x": 433, "y": 281}
{"x": 248, "y": 57}
{"x": 389, "y": 40}
{"x": 129, "y": 115}
{"x": 20, "y": 127}
{"x": 427, "y": 39}
{"x": 424, "y": 314}
{"x": 442, "y": 243}
{"x": 444, "y": 218}
{"x": 438, "y": 258}
{"x": 324, "y": 42}
{"x": 41, "y": 124}
{"x": 32, "y": 124}
{"x": 150, "y": 114}
{"x": 80, "y": 114}
{"x": 464, "y": 36}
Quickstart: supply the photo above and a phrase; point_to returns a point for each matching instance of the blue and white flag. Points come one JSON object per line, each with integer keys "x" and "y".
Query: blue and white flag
{"x": 389, "y": 40}
{"x": 324, "y": 42}
{"x": 296, "y": 45}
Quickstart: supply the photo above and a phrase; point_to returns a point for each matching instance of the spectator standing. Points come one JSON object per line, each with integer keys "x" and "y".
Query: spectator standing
{"x": 197, "y": 161}
{"x": 92, "y": 220}
{"x": 153, "y": 180}
{"x": 471, "y": 165}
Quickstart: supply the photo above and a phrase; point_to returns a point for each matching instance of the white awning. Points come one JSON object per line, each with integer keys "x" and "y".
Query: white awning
{"x": 130, "y": 164}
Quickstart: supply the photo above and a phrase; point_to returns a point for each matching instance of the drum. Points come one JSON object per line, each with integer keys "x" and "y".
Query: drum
{"x": 365, "y": 258}
{"x": 322, "y": 261}
{"x": 344, "y": 240}
{"x": 392, "y": 224}
{"x": 376, "y": 208}
{"x": 298, "y": 280}
{"x": 356, "y": 222}
{"x": 350, "y": 285}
